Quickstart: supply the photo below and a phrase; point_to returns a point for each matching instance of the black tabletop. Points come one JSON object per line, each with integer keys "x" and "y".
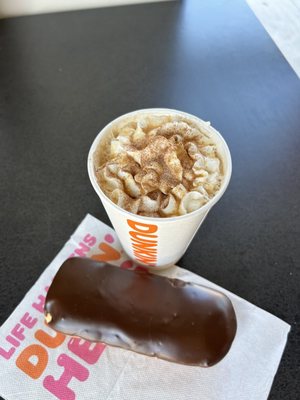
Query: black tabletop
{"x": 64, "y": 76}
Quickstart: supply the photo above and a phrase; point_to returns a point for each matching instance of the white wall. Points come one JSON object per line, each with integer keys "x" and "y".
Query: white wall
{"x": 281, "y": 19}
{"x": 11, "y": 8}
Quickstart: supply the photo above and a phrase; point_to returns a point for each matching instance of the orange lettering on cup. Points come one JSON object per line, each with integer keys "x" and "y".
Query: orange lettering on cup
{"x": 144, "y": 243}
{"x": 142, "y": 250}
{"x": 33, "y": 360}
{"x": 140, "y": 227}
{"x": 143, "y": 237}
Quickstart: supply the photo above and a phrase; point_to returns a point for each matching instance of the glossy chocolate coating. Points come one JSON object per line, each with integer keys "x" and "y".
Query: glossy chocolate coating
{"x": 139, "y": 311}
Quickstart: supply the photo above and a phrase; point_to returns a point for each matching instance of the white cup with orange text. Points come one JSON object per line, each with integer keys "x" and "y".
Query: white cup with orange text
{"x": 158, "y": 243}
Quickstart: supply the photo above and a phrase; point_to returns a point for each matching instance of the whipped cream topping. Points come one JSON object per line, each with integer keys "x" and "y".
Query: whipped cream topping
{"x": 158, "y": 166}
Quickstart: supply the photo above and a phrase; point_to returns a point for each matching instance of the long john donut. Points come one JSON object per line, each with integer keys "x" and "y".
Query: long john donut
{"x": 146, "y": 313}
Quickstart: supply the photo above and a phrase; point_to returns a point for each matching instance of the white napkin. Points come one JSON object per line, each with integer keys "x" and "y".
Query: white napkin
{"x": 38, "y": 364}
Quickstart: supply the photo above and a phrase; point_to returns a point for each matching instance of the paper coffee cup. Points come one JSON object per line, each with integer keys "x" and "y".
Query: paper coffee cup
{"x": 158, "y": 242}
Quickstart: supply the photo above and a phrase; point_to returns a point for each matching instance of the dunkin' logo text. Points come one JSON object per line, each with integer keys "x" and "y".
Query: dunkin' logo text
{"x": 143, "y": 241}
{"x": 29, "y": 343}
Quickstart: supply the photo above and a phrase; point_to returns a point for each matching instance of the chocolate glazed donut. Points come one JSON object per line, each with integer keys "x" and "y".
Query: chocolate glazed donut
{"x": 149, "y": 314}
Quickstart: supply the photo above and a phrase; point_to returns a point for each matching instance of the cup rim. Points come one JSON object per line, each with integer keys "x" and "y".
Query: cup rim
{"x": 204, "y": 208}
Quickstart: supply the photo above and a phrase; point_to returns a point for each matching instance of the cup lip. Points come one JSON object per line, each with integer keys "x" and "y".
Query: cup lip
{"x": 204, "y": 208}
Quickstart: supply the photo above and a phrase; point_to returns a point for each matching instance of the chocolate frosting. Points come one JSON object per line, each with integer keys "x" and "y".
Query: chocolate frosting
{"x": 146, "y": 313}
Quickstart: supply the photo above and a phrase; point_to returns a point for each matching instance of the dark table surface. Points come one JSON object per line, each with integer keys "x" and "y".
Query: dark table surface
{"x": 64, "y": 76}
